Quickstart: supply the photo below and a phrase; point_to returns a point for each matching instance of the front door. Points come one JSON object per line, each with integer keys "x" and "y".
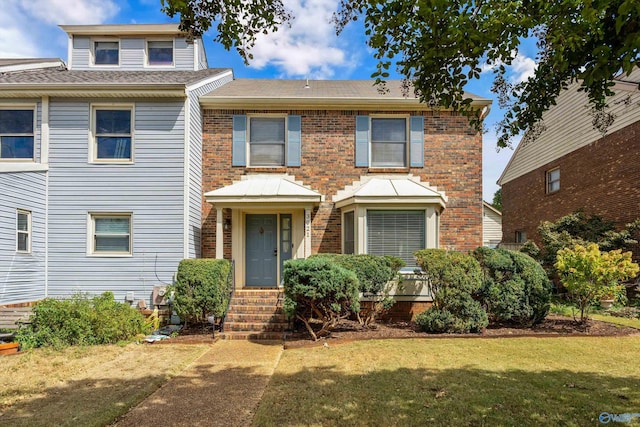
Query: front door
{"x": 261, "y": 261}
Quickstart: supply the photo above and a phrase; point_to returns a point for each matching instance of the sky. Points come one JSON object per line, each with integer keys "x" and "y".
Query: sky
{"x": 308, "y": 49}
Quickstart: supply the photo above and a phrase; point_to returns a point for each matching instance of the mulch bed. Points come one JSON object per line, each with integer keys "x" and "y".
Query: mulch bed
{"x": 348, "y": 330}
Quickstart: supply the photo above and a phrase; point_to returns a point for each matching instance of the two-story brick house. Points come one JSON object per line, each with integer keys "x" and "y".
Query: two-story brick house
{"x": 292, "y": 168}
{"x": 100, "y": 163}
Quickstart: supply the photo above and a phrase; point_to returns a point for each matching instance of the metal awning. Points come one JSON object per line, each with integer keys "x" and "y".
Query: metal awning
{"x": 390, "y": 190}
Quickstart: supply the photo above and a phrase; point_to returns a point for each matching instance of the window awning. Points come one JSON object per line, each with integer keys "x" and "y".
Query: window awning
{"x": 264, "y": 189}
{"x": 381, "y": 190}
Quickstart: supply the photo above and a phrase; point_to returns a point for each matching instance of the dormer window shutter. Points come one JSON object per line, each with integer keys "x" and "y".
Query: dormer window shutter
{"x": 294, "y": 141}
{"x": 416, "y": 141}
{"x": 239, "y": 147}
{"x": 362, "y": 141}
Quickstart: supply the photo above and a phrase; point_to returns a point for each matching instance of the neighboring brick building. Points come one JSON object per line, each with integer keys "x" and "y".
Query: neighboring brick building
{"x": 333, "y": 167}
{"x": 571, "y": 166}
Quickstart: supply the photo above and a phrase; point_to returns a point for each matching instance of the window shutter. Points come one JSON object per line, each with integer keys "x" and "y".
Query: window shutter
{"x": 416, "y": 141}
{"x": 239, "y": 148}
{"x": 362, "y": 141}
{"x": 294, "y": 141}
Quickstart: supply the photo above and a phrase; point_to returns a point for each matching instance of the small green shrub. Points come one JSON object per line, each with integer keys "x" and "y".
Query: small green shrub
{"x": 455, "y": 278}
{"x": 375, "y": 275}
{"x": 318, "y": 290}
{"x": 202, "y": 288}
{"x": 81, "y": 320}
{"x": 516, "y": 288}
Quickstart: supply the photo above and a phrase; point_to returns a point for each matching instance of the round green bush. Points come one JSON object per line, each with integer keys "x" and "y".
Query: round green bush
{"x": 515, "y": 288}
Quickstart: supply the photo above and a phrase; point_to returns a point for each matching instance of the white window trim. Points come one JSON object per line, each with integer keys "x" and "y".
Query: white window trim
{"x": 548, "y": 180}
{"x": 407, "y": 134}
{"x": 91, "y": 216}
{"x": 28, "y": 232}
{"x": 93, "y": 147}
{"x": 146, "y": 53}
{"x": 393, "y": 208}
{"x": 248, "y": 138}
{"x": 18, "y": 106}
{"x": 92, "y": 60}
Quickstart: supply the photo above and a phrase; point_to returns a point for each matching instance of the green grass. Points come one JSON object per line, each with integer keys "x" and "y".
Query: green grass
{"x": 493, "y": 382}
{"x": 623, "y": 321}
{"x": 570, "y": 311}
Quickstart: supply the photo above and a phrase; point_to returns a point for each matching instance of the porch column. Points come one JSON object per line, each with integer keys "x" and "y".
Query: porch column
{"x": 307, "y": 232}
{"x": 219, "y": 234}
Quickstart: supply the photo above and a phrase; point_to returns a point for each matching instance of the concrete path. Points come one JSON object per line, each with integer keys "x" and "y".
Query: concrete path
{"x": 221, "y": 388}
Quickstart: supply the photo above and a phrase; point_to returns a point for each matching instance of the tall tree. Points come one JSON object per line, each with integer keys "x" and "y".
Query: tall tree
{"x": 497, "y": 199}
{"x": 440, "y": 45}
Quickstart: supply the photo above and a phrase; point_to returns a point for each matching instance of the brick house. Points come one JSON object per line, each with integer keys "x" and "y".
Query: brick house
{"x": 293, "y": 168}
{"x": 571, "y": 165}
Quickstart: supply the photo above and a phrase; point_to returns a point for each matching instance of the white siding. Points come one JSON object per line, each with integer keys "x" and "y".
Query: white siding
{"x": 568, "y": 126}
{"x": 80, "y": 53}
{"x": 195, "y": 165}
{"x": 183, "y": 54}
{"x": 151, "y": 189}
{"x": 491, "y": 226}
{"x": 22, "y": 276}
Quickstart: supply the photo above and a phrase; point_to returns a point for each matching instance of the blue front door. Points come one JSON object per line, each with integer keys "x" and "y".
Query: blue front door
{"x": 262, "y": 250}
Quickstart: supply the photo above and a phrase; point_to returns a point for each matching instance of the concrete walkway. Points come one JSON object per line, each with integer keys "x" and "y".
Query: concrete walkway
{"x": 221, "y": 388}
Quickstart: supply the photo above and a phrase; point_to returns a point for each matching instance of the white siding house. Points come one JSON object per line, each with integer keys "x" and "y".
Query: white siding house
{"x": 491, "y": 225}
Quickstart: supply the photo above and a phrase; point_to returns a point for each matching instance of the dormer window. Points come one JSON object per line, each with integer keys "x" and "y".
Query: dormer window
{"x": 106, "y": 53}
{"x": 160, "y": 52}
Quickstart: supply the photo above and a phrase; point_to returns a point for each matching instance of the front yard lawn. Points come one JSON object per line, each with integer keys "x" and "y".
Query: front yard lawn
{"x": 85, "y": 386}
{"x": 517, "y": 381}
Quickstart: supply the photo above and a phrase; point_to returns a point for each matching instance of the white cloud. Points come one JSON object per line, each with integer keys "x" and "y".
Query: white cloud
{"x": 309, "y": 48}
{"x": 29, "y": 28}
{"x": 522, "y": 67}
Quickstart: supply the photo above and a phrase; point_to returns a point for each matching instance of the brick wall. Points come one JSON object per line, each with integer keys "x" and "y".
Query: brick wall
{"x": 453, "y": 163}
{"x": 603, "y": 178}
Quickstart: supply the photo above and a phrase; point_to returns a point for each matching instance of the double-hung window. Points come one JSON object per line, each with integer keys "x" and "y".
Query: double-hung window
{"x": 160, "y": 52}
{"x": 553, "y": 180}
{"x": 111, "y": 234}
{"x": 16, "y": 134}
{"x": 396, "y": 232}
{"x": 23, "y": 231}
{"x": 267, "y": 140}
{"x": 112, "y": 135}
{"x": 106, "y": 53}
{"x": 388, "y": 142}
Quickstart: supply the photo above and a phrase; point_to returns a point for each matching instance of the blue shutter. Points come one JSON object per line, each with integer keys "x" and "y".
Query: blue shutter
{"x": 416, "y": 141}
{"x": 239, "y": 155}
{"x": 293, "y": 140}
{"x": 362, "y": 141}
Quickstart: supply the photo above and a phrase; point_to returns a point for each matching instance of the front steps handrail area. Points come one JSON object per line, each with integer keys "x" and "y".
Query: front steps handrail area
{"x": 256, "y": 314}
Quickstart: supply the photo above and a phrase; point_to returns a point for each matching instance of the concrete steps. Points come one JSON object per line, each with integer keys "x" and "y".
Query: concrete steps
{"x": 256, "y": 315}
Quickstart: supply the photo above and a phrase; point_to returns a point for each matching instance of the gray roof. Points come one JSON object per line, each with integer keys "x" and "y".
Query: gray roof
{"x": 73, "y": 78}
{"x": 316, "y": 89}
{"x": 21, "y": 61}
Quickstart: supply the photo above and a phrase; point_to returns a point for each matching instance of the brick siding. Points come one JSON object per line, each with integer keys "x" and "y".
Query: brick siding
{"x": 453, "y": 163}
{"x": 602, "y": 178}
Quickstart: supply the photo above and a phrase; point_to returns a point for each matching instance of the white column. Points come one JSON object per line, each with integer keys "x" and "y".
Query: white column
{"x": 219, "y": 234}
{"x": 307, "y": 232}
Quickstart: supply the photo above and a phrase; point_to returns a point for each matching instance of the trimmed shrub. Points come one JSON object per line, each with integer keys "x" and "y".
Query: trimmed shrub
{"x": 81, "y": 320}
{"x": 516, "y": 288}
{"x": 202, "y": 288}
{"x": 454, "y": 279}
{"x": 374, "y": 274}
{"x": 319, "y": 291}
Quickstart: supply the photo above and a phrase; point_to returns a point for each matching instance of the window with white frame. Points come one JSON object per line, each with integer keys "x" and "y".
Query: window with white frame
{"x": 396, "y": 232}
{"x": 160, "y": 52}
{"x": 348, "y": 233}
{"x": 23, "y": 231}
{"x": 111, "y": 234}
{"x": 553, "y": 180}
{"x": 106, "y": 53}
{"x": 16, "y": 134}
{"x": 112, "y": 135}
{"x": 267, "y": 141}
{"x": 388, "y": 142}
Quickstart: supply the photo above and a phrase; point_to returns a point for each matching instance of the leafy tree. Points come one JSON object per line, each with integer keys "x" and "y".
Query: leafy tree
{"x": 589, "y": 274}
{"x": 497, "y": 199}
{"x": 440, "y": 45}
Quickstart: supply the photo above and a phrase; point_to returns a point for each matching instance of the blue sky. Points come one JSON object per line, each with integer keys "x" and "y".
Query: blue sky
{"x": 310, "y": 48}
